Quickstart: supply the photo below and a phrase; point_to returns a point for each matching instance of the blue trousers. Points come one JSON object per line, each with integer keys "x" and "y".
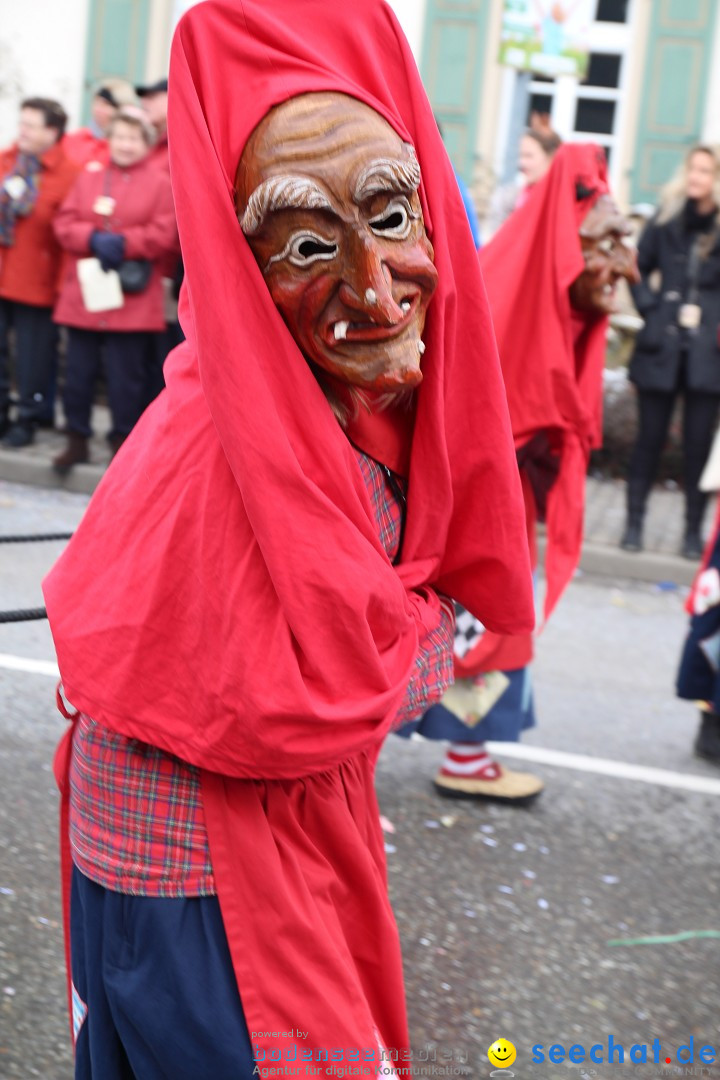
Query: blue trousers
{"x": 36, "y": 338}
{"x": 154, "y": 992}
{"x": 123, "y": 356}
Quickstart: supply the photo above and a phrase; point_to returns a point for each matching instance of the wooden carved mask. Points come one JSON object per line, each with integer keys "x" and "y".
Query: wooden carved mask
{"x": 327, "y": 196}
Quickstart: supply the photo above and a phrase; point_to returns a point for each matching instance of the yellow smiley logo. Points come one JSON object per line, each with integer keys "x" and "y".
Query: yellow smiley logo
{"x": 502, "y": 1053}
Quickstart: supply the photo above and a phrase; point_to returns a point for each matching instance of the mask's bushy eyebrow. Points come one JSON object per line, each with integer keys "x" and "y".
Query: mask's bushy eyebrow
{"x": 282, "y": 193}
{"x": 389, "y": 174}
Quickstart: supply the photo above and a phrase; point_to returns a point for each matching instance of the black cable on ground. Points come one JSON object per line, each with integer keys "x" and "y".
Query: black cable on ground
{"x": 26, "y": 615}
{"x": 33, "y": 539}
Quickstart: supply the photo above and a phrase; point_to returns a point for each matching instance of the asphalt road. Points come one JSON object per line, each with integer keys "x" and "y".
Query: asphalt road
{"x": 505, "y": 915}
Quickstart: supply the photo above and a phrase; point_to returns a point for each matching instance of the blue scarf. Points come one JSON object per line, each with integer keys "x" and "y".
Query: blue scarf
{"x": 12, "y": 206}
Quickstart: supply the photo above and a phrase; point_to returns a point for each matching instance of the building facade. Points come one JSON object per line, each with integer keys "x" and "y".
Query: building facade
{"x": 652, "y": 88}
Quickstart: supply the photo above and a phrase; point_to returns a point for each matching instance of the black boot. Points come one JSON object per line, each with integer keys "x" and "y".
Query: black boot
{"x": 707, "y": 742}
{"x": 632, "y": 537}
{"x": 636, "y": 497}
{"x": 75, "y": 453}
{"x": 695, "y": 502}
{"x": 692, "y": 547}
{"x": 20, "y": 434}
{"x": 116, "y": 442}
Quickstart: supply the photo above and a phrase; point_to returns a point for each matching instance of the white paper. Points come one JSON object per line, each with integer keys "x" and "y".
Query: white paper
{"x": 100, "y": 288}
{"x": 15, "y": 187}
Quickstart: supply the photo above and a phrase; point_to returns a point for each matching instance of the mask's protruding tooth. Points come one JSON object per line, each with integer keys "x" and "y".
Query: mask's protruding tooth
{"x": 405, "y": 306}
{"x": 340, "y": 330}
{"x": 421, "y": 347}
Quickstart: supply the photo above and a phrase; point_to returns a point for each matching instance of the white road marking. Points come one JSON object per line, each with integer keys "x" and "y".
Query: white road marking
{"x": 34, "y": 667}
{"x": 707, "y": 785}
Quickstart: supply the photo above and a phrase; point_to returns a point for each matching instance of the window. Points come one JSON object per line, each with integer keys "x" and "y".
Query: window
{"x": 594, "y": 117}
{"x": 591, "y": 110}
{"x": 604, "y": 69}
{"x": 612, "y": 11}
{"x": 541, "y": 103}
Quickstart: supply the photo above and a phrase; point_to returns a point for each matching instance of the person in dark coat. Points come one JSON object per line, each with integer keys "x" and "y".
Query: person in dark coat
{"x": 121, "y": 212}
{"x": 698, "y": 678}
{"x": 678, "y": 350}
{"x": 35, "y": 177}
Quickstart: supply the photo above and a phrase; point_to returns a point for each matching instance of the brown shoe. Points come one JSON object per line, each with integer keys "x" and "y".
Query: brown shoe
{"x": 75, "y": 453}
{"x": 509, "y": 787}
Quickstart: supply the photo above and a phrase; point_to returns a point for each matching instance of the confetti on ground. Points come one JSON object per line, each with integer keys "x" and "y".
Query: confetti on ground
{"x": 44, "y": 921}
{"x": 448, "y": 821}
{"x": 9, "y": 990}
{"x": 489, "y": 841}
{"x": 529, "y": 874}
{"x": 544, "y": 850}
{"x": 609, "y": 879}
{"x": 519, "y": 847}
{"x": 386, "y": 824}
{"x": 470, "y": 914}
{"x": 487, "y": 828}
{"x": 432, "y": 824}
{"x": 667, "y": 939}
{"x": 543, "y": 904}
{"x": 390, "y": 849}
{"x": 6, "y": 892}
{"x": 505, "y": 889}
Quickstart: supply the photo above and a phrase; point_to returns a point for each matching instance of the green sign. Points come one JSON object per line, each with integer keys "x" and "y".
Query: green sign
{"x": 547, "y": 37}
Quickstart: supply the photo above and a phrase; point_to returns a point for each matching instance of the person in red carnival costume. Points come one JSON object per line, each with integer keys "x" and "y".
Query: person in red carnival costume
{"x": 551, "y": 274}
{"x": 256, "y": 594}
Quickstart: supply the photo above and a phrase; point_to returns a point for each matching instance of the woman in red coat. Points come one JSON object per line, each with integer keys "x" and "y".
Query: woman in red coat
{"x": 120, "y": 212}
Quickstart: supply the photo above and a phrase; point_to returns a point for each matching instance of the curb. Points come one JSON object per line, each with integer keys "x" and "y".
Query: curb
{"x": 36, "y": 471}
{"x": 652, "y": 566}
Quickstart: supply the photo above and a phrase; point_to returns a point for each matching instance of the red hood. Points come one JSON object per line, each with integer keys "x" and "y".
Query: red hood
{"x": 232, "y": 542}
{"x": 552, "y": 359}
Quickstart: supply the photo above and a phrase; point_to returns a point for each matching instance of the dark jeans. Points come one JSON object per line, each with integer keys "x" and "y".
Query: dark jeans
{"x": 36, "y": 338}
{"x": 123, "y": 358}
{"x": 699, "y": 420}
{"x": 154, "y": 991}
{"x": 163, "y": 344}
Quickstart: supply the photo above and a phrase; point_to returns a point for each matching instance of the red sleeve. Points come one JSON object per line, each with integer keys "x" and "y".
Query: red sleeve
{"x": 159, "y": 236}
{"x": 72, "y": 229}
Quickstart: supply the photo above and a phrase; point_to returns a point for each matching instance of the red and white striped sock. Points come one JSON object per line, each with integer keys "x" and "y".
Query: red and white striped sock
{"x": 471, "y": 761}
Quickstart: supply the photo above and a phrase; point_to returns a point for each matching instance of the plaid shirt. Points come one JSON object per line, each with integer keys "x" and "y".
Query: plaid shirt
{"x": 136, "y": 814}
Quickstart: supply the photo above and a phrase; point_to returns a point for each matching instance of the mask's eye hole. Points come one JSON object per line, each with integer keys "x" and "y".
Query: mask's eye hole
{"x": 395, "y": 221}
{"x": 305, "y": 248}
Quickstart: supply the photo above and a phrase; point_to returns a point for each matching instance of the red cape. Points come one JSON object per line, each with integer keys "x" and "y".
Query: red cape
{"x": 227, "y": 597}
{"x": 552, "y": 358}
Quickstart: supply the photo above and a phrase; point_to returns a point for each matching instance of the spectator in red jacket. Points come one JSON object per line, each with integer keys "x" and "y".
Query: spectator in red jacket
{"x": 35, "y": 177}
{"x": 118, "y": 213}
{"x": 90, "y": 143}
{"x": 154, "y": 99}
